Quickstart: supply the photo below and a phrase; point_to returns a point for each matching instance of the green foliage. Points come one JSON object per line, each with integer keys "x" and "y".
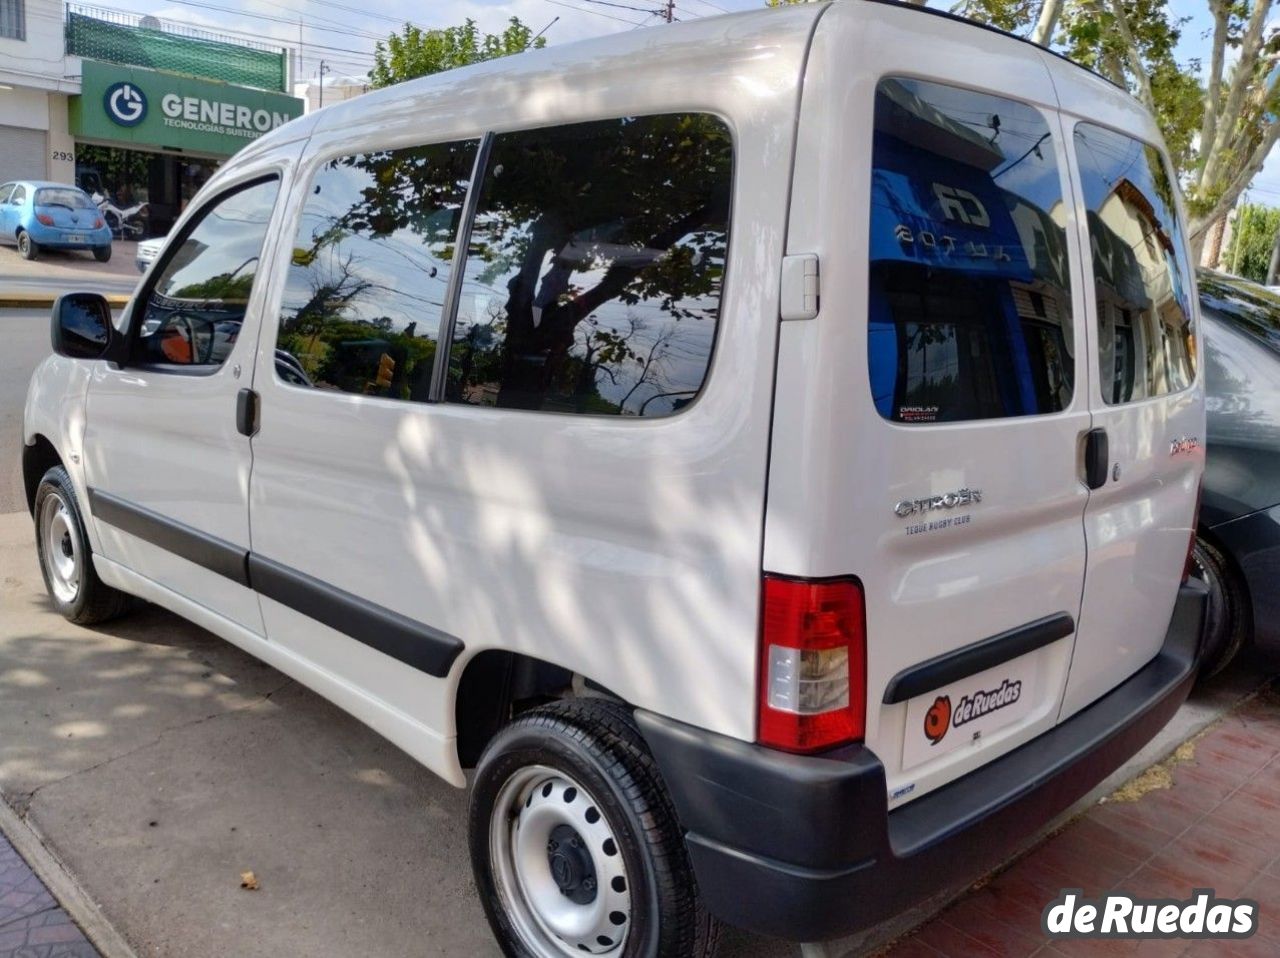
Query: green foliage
{"x": 1255, "y": 232}
{"x": 414, "y": 52}
{"x": 1089, "y": 34}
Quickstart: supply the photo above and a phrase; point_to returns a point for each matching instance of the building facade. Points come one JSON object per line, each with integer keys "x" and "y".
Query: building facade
{"x": 35, "y": 83}
{"x": 136, "y": 111}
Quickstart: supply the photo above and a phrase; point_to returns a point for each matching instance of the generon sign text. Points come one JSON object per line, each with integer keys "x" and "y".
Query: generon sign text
{"x": 212, "y": 116}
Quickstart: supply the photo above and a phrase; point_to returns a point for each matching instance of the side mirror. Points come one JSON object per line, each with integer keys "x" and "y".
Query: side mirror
{"x": 81, "y": 326}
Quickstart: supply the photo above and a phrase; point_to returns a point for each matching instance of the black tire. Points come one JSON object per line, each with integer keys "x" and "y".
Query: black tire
{"x": 28, "y": 247}
{"x": 93, "y": 600}
{"x": 102, "y": 253}
{"x": 596, "y": 743}
{"x": 1227, "y": 620}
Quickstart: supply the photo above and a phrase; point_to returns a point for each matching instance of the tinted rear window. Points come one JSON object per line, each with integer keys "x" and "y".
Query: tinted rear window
{"x": 63, "y": 197}
{"x": 1145, "y": 341}
{"x": 970, "y": 303}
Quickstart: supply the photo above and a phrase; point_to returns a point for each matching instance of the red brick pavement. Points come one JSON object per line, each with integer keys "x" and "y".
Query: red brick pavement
{"x": 1217, "y": 826}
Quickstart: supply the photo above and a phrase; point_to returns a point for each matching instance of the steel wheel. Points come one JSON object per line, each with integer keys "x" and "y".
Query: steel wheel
{"x": 62, "y": 557}
{"x": 558, "y": 867}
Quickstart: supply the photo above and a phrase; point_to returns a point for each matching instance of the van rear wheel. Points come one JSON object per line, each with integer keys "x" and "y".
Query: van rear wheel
{"x": 575, "y": 845}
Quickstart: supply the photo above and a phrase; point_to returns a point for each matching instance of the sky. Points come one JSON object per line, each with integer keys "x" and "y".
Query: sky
{"x": 343, "y": 32}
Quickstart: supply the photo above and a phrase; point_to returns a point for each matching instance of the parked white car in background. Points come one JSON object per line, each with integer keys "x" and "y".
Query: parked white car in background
{"x": 768, "y": 455}
{"x": 147, "y": 252}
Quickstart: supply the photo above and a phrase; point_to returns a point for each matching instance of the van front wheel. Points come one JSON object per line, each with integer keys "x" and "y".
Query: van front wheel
{"x": 575, "y": 845}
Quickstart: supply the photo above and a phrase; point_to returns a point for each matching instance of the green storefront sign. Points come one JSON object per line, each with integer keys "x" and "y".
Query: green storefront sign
{"x": 147, "y": 108}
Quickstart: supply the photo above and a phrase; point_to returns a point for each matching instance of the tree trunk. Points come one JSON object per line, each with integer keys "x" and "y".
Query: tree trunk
{"x": 1211, "y": 257}
{"x": 1050, "y": 12}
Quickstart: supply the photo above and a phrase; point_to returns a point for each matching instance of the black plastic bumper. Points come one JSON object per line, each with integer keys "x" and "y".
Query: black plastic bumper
{"x": 804, "y": 847}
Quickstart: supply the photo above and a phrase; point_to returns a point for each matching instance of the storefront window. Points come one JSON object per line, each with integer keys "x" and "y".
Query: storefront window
{"x": 141, "y": 194}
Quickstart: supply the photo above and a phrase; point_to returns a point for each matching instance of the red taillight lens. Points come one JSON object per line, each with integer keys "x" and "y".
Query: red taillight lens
{"x": 97, "y": 224}
{"x": 45, "y": 218}
{"x": 813, "y": 664}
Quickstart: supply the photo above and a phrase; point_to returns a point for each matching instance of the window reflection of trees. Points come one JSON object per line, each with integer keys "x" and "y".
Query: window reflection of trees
{"x": 595, "y": 267}
{"x": 370, "y": 267}
{"x": 1145, "y": 339}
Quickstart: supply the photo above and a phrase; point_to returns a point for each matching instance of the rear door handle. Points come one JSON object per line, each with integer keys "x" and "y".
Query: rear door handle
{"x": 247, "y": 403}
{"x": 1097, "y": 456}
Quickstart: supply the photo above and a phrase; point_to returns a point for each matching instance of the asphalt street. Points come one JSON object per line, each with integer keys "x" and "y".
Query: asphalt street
{"x": 25, "y": 334}
{"x": 59, "y": 285}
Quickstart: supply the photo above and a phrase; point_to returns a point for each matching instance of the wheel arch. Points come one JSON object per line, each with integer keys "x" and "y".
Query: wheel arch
{"x": 498, "y": 684}
{"x": 1233, "y": 567}
{"x": 38, "y": 457}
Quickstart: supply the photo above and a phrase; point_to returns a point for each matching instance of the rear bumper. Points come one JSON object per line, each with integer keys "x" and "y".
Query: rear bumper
{"x": 55, "y": 238}
{"x": 804, "y": 847}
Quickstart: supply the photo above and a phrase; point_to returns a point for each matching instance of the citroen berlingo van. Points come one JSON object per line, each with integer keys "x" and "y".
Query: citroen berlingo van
{"x": 764, "y": 448}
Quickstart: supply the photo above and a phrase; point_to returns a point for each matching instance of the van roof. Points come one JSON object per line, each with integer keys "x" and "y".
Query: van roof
{"x": 634, "y": 44}
{"x": 956, "y": 18}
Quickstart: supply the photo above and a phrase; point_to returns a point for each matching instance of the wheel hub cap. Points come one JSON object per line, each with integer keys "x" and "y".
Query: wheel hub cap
{"x": 557, "y": 866}
{"x": 61, "y": 549}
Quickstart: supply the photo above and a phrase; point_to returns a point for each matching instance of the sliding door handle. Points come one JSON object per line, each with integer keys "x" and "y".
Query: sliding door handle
{"x": 247, "y": 403}
{"x": 1097, "y": 457}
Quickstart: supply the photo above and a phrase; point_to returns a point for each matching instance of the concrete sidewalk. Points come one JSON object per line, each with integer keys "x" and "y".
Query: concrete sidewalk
{"x": 156, "y": 763}
{"x": 1208, "y": 817}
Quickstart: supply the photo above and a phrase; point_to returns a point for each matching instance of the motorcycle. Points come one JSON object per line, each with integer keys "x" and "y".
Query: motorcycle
{"x": 119, "y": 219}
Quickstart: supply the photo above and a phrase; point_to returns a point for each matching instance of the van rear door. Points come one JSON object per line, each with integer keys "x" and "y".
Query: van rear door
{"x": 1148, "y": 421}
{"x": 927, "y": 421}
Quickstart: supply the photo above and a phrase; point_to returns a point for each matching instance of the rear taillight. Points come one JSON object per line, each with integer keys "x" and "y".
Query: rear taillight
{"x": 813, "y": 663}
{"x": 1189, "y": 565}
{"x": 98, "y": 224}
{"x": 45, "y": 218}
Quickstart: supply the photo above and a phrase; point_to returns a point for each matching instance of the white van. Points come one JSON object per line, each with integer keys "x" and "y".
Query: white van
{"x": 765, "y": 448}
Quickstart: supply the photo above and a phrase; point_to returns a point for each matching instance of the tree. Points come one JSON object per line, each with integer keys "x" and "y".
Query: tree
{"x": 1249, "y": 254}
{"x": 1219, "y": 128}
{"x": 414, "y": 52}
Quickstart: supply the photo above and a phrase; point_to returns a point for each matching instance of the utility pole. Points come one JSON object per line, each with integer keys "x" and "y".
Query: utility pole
{"x": 1242, "y": 221}
{"x": 324, "y": 68}
{"x": 670, "y": 12}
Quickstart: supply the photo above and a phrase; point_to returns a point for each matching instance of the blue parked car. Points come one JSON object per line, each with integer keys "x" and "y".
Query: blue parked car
{"x": 37, "y": 215}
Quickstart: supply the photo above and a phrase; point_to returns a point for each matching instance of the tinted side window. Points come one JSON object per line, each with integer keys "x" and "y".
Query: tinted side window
{"x": 595, "y": 267}
{"x": 1146, "y": 346}
{"x": 970, "y": 302}
{"x": 370, "y": 268}
{"x": 196, "y": 306}
{"x": 5, "y": 190}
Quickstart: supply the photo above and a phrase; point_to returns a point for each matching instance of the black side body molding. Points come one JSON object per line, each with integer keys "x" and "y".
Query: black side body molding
{"x": 391, "y": 633}
{"x": 978, "y": 657}
{"x": 405, "y": 640}
{"x": 210, "y": 552}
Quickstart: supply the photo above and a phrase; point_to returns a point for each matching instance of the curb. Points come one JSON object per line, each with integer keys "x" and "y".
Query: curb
{"x": 75, "y": 901}
{"x": 46, "y": 300}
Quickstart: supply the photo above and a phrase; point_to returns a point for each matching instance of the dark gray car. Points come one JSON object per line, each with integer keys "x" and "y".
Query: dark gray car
{"x": 1237, "y": 551}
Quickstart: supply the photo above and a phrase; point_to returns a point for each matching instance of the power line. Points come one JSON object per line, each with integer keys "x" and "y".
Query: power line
{"x": 598, "y": 13}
